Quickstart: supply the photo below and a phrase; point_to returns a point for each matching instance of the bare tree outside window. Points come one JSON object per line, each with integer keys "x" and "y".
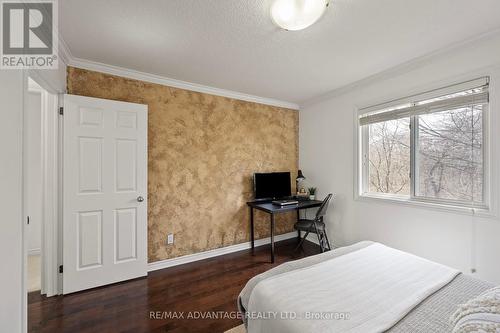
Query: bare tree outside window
{"x": 450, "y": 155}
{"x": 389, "y": 157}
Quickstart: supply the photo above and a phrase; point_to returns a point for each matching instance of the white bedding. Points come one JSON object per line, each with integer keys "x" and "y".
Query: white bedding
{"x": 368, "y": 290}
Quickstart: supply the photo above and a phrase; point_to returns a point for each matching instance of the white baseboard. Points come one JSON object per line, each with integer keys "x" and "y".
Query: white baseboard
{"x": 34, "y": 252}
{"x": 153, "y": 266}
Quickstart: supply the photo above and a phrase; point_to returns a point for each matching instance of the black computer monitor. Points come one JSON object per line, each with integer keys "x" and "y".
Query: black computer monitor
{"x": 272, "y": 185}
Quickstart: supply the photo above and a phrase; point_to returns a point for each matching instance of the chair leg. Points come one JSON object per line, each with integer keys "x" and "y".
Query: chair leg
{"x": 320, "y": 241}
{"x": 301, "y": 241}
{"x": 319, "y": 238}
{"x": 327, "y": 241}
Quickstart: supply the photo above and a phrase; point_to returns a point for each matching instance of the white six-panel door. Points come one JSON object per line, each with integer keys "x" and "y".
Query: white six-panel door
{"x": 104, "y": 192}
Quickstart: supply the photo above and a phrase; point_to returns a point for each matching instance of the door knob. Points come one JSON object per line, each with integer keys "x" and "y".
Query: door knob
{"x": 140, "y": 199}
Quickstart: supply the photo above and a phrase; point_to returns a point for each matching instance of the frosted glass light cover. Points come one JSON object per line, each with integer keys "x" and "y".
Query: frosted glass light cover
{"x": 297, "y": 14}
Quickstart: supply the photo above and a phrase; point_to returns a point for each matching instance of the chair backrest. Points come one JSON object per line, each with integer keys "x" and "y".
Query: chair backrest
{"x": 324, "y": 207}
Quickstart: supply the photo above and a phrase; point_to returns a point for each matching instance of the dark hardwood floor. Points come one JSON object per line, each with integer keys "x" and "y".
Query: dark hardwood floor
{"x": 209, "y": 285}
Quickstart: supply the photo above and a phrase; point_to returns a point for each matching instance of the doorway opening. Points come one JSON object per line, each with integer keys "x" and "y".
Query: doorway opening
{"x": 33, "y": 183}
{"x": 40, "y": 192}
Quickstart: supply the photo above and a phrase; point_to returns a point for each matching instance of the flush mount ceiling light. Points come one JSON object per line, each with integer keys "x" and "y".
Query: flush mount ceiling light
{"x": 297, "y": 14}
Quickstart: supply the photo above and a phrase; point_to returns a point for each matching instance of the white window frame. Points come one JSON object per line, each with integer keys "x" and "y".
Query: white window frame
{"x": 361, "y": 180}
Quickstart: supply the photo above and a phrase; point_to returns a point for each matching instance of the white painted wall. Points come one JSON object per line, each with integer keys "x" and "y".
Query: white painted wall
{"x": 33, "y": 170}
{"x": 327, "y": 159}
{"x": 11, "y": 224}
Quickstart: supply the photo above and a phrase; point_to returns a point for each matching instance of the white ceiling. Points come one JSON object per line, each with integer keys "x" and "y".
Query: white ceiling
{"x": 233, "y": 44}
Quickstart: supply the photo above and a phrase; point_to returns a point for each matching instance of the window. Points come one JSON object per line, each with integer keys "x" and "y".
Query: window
{"x": 427, "y": 148}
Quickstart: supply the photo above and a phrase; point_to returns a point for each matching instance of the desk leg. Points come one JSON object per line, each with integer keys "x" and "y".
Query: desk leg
{"x": 252, "y": 235}
{"x": 298, "y": 231}
{"x": 272, "y": 238}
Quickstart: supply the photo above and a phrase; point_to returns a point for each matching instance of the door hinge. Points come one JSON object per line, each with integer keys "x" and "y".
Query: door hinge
{"x": 28, "y": 219}
{"x": 61, "y": 269}
{"x": 61, "y": 110}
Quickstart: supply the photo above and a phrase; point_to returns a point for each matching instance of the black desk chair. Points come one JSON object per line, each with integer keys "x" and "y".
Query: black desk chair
{"x": 316, "y": 226}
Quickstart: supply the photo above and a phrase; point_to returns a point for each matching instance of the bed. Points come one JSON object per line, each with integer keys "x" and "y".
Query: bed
{"x": 429, "y": 299}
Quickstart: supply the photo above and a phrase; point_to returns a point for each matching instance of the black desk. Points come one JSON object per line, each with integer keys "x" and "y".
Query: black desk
{"x": 271, "y": 209}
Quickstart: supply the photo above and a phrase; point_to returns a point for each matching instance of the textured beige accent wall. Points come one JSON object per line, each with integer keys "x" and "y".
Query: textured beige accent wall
{"x": 202, "y": 152}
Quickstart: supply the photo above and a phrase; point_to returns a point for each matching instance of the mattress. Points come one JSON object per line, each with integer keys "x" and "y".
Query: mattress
{"x": 431, "y": 315}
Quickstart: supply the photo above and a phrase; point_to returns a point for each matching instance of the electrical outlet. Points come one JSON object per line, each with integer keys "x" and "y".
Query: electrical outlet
{"x": 170, "y": 239}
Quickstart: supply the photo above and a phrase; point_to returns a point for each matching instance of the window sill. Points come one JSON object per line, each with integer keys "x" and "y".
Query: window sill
{"x": 447, "y": 207}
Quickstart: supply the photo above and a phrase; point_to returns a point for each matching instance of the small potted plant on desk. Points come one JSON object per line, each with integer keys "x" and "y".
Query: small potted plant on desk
{"x": 312, "y": 193}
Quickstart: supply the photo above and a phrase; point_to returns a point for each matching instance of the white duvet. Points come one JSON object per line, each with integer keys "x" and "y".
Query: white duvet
{"x": 368, "y": 290}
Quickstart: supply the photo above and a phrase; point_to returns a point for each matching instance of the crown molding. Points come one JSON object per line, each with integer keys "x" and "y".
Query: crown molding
{"x": 396, "y": 70}
{"x": 70, "y": 60}
{"x": 64, "y": 52}
{"x": 142, "y": 76}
